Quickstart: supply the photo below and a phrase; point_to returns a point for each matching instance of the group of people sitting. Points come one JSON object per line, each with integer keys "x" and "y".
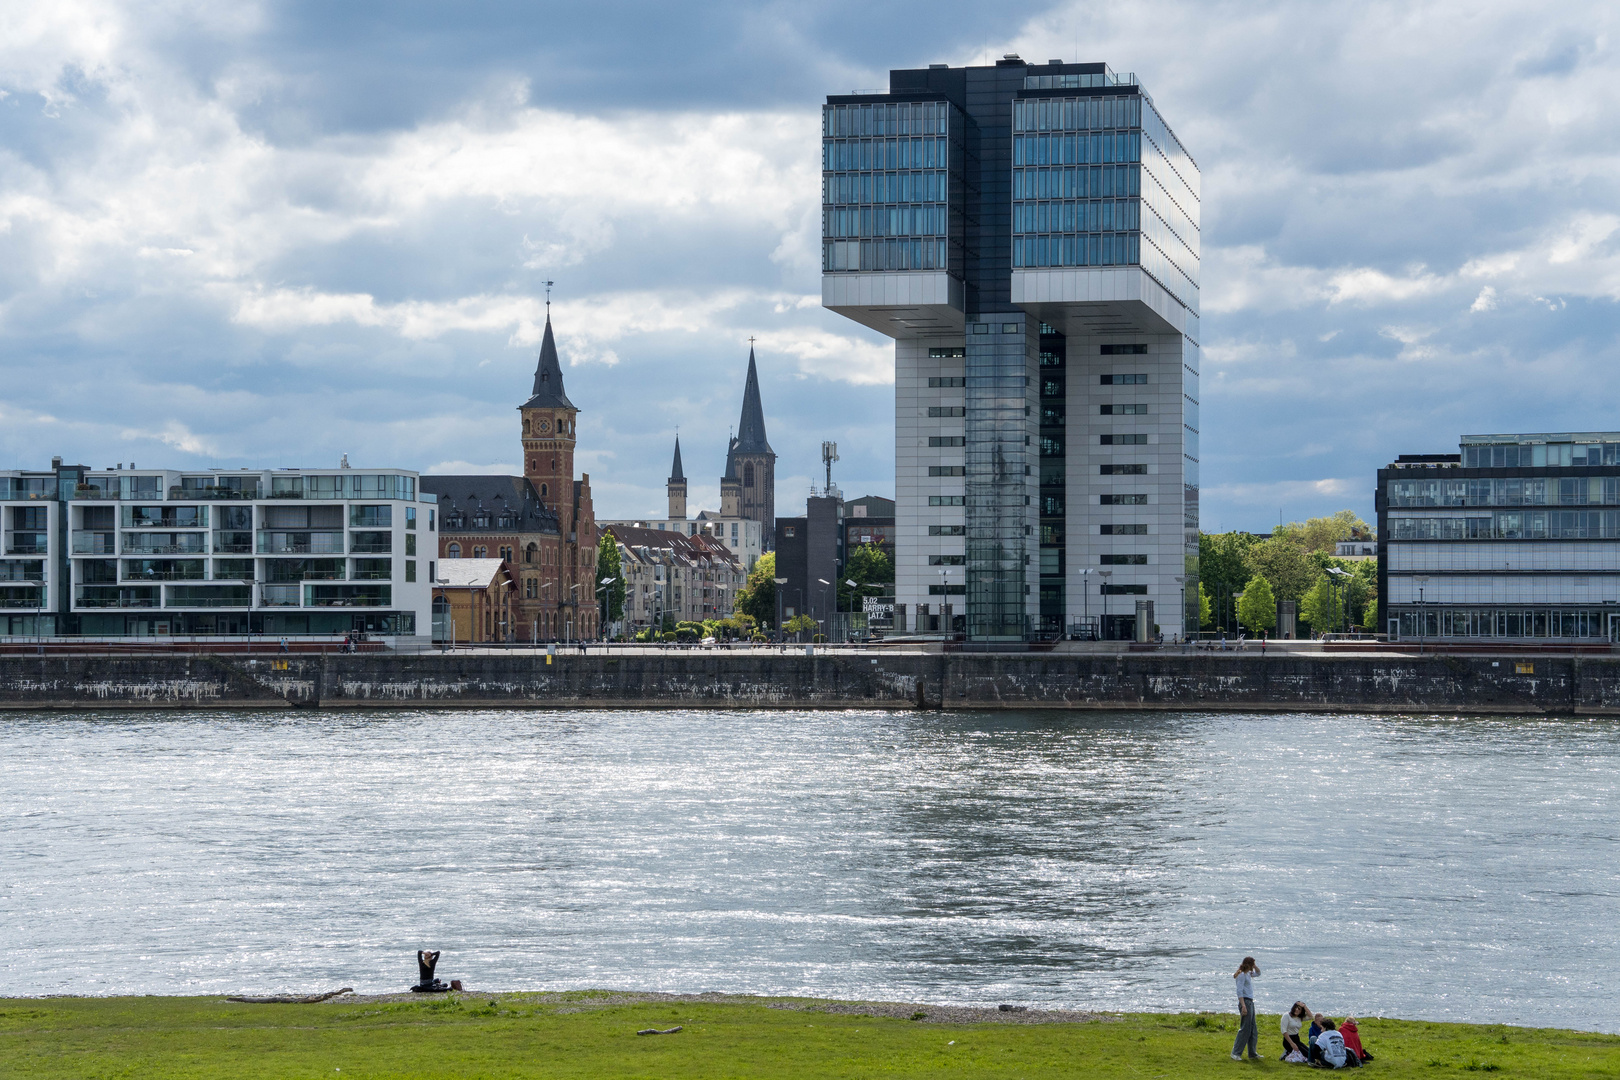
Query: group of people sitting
{"x": 1324, "y": 1043}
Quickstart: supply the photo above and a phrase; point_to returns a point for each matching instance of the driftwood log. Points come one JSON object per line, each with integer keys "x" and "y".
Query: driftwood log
{"x": 290, "y": 999}
{"x": 655, "y": 1031}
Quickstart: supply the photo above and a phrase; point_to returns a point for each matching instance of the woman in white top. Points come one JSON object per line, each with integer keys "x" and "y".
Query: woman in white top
{"x": 1248, "y": 1035}
{"x": 1291, "y": 1023}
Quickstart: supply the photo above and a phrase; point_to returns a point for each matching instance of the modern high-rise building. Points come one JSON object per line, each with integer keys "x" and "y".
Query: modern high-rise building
{"x": 1028, "y": 235}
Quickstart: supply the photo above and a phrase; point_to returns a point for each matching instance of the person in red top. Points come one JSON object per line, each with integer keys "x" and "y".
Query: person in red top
{"x": 1352, "y": 1037}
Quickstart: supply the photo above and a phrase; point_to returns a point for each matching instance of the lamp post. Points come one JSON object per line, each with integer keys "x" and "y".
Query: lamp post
{"x": 603, "y": 588}
{"x": 828, "y": 584}
{"x": 779, "y": 582}
{"x": 1181, "y": 583}
{"x": 1339, "y": 578}
{"x": 1422, "y": 619}
{"x": 1105, "y": 575}
{"x": 568, "y": 626}
{"x": 1085, "y": 594}
{"x": 853, "y": 589}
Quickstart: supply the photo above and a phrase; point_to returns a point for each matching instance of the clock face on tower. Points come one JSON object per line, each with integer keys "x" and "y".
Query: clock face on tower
{"x": 545, "y": 425}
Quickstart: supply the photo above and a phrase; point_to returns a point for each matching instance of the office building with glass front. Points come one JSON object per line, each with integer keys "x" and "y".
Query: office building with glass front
{"x": 1515, "y": 538}
{"x": 1028, "y": 236}
{"x": 163, "y": 552}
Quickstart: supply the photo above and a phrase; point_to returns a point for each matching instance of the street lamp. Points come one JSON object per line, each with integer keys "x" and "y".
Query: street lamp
{"x": 1085, "y": 594}
{"x": 1423, "y": 620}
{"x": 1105, "y": 575}
{"x": 853, "y": 589}
{"x": 1344, "y": 593}
{"x": 603, "y": 588}
{"x": 779, "y": 582}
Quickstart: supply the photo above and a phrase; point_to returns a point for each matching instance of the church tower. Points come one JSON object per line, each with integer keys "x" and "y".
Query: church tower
{"x": 548, "y": 430}
{"x": 677, "y": 486}
{"x": 751, "y": 464}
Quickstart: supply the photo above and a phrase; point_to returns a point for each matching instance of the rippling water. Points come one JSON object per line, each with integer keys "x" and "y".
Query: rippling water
{"x": 1441, "y": 868}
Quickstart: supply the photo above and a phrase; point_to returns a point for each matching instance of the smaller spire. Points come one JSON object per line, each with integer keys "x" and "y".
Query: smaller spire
{"x": 675, "y": 472}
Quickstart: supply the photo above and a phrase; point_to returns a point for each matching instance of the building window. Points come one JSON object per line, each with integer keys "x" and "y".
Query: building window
{"x": 946, "y": 500}
{"x": 1124, "y": 560}
{"x": 947, "y": 590}
{"x": 947, "y": 530}
{"x": 945, "y": 470}
{"x": 453, "y": 551}
{"x": 1123, "y": 440}
{"x": 790, "y": 531}
{"x": 1122, "y": 470}
{"x": 480, "y": 553}
{"x": 1124, "y": 410}
{"x": 529, "y": 553}
{"x": 410, "y": 517}
{"x": 543, "y": 491}
{"x": 1124, "y": 350}
{"x": 947, "y": 560}
{"x": 531, "y": 588}
{"x": 946, "y": 410}
{"x": 1124, "y": 380}
{"x": 1124, "y": 590}
{"x": 945, "y": 440}
{"x": 410, "y": 543}
{"x": 1124, "y": 500}
{"x": 936, "y": 382}
{"x": 748, "y": 474}
{"x": 949, "y": 352}
{"x": 1122, "y": 530}
{"x": 410, "y": 569}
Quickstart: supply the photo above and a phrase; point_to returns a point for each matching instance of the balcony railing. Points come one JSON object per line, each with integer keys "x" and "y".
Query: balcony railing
{"x": 280, "y": 595}
{"x": 372, "y": 549}
{"x": 165, "y": 575}
{"x": 166, "y": 549}
{"x": 349, "y": 601}
{"x": 300, "y": 543}
{"x": 27, "y": 549}
{"x": 101, "y": 543}
{"x": 118, "y": 602}
{"x": 179, "y": 493}
{"x": 373, "y": 575}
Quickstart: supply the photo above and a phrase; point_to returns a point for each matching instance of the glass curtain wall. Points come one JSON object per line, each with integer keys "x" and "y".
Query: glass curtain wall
{"x": 887, "y": 171}
{"x": 1000, "y": 456}
{"x": 1053, "y": 429}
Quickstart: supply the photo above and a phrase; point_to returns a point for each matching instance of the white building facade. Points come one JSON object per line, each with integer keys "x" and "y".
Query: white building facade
{"x": 154, "y": 553}
{"x": 1028, "y": 235}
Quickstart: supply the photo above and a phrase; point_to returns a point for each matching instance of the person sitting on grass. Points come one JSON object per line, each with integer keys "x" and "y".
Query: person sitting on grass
{"x": 1352, "y": 1038}
{"x": 1328, "y": 1049}
{"x": 1291, "y": 1023}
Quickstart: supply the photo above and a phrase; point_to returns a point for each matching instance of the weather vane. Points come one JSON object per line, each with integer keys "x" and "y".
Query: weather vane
{"x": 548, "y": 285}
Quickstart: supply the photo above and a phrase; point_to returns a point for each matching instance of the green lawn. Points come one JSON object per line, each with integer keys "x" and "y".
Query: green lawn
{"x": 571, "y": 1035}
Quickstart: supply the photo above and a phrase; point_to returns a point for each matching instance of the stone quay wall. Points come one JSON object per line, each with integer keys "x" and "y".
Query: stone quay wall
{"x": 708, "y": 680}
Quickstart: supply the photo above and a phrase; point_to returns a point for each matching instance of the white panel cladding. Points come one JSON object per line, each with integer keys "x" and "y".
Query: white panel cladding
{"x": 1163, "y": 483}
{"x": 1504, "y": 590}
{"x": 1549, "y": 555}
{"x": 1046, "y": 292}
{"x": 913, "y": 457}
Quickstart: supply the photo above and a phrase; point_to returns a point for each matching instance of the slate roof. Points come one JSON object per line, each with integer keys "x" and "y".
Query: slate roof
{"x": 675, "y": 469}
{"x": 548, "y": 378}
{"x": 509, "y": 504}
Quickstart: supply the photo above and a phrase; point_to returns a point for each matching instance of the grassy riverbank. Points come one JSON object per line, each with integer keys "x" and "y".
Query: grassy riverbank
{"x": 593, "y": 1035}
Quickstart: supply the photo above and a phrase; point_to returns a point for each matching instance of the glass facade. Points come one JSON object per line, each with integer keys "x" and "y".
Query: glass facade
{"x": 1102, "y": 181}
{"x": 888, "y": 175}
{"x": 999, "y": 459}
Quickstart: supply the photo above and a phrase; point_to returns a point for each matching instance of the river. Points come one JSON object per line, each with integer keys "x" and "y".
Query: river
{"x": 1434, "y": 867}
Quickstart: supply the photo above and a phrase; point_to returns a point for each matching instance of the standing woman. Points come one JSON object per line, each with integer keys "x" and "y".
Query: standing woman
{"x": 1247, "y": 1034}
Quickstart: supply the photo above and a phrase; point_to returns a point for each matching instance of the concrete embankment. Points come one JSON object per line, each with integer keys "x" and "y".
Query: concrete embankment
{"x": 1473, "y": 684}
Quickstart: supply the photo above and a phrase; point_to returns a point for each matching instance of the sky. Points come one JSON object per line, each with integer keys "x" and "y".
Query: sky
{"x": 270, "y": 234}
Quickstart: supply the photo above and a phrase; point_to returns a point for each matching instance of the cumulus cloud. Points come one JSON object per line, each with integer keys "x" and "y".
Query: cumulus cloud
{"x": 256, "y": 232}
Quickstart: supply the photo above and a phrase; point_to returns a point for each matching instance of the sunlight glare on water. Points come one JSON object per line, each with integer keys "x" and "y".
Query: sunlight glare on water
{"x": 1424, "y": 867}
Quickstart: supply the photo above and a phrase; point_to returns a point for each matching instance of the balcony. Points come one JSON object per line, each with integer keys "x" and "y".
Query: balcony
{"x": 302, "y": 542}
{"x": 165, "y": 575}
{"x": 280, "y": 595}
{"x": 233, "y": 596}
{"x": 113, "y": 597}
{"x": 28, "y": 544}
{"x": 94, "y": 543}
{"x": 166, "y": 517}
{"x": 22, "y": 598}
{"x": 238, "y": 494}
{"x": 130, "y": 548}
{"x": 348, "y": 595}
{"x": 373, "y": 575}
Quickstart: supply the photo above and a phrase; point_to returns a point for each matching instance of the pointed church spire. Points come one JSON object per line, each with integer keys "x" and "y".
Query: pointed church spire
{"x": 751, "y": 428}
{"x": 548, "y": 377}
{"x": 675, "y": 469}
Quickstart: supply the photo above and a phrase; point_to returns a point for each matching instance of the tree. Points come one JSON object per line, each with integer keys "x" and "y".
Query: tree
{"x": 758, "y": 596}
{"x": 1369, "y": 616}
{"x": 1204, "y": 618}
{"x": 1288, "y": 568}
{"x": 798, "y": 623}
{"x": 868, "y": 564}
{"x": 1221, "y": 569}
{"x": 609, "y": 566}
{"x": 1257, "y": 610}
{"x": 1319, "y": 606}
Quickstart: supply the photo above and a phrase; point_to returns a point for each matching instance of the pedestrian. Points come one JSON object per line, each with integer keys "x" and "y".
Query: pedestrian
{"x": 1248, "y": 1035}
{"x": 1262, "y": 643}
{"x": 284, "y": 645}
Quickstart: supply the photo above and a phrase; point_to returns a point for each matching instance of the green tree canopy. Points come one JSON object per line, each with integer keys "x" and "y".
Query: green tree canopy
{"x": 1289, "y": 569}
{"x": 758, "y": 596}
{"x": 1222, "y": 572}
{"x": 1257, "y": 610}
{"x": 868, "y": 564}
{"x": 1369, "y": 616}
{"x": 1319, "y": 605}
{"x": 609, "y": 566}
{"x": 799, "y": 623}
{"x": 1204, "y": 616}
